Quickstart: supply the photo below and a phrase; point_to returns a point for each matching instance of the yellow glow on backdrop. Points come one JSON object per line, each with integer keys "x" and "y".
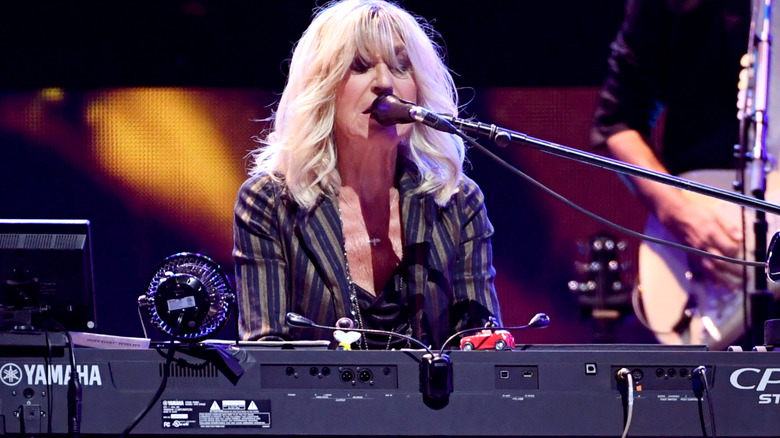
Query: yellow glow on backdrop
{"x": 165, "y": 146}
{"x": 53, "y": 94}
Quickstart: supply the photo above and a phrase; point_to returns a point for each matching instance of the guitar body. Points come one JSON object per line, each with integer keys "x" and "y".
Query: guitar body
{"x": 678, "y": 305}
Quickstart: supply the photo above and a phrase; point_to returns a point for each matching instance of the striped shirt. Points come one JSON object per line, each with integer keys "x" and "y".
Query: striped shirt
{"x": 289, "y": 259}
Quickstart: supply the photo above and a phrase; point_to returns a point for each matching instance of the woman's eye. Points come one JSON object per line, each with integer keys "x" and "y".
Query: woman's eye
{"x": 403, "y": 66}
{"x": 360, "y": 65}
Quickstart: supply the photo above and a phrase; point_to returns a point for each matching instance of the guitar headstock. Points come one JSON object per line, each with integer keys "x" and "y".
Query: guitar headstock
{"x": 602, "y": 293}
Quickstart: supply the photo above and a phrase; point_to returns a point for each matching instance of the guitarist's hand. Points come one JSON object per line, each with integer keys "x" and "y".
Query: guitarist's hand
{"x": 694, "y": 219}
{"x": 712, "y": 227}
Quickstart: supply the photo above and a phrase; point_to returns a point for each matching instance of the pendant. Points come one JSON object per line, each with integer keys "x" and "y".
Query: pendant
{"x": 375, "y": 241}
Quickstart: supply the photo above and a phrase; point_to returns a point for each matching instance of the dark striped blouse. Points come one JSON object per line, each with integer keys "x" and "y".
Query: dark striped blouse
{"x": 289, "y": 259}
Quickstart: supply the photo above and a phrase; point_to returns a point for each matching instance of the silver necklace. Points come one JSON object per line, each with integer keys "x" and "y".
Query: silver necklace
{"x": 372, "y": 240}
{"x": 353, "y": 301}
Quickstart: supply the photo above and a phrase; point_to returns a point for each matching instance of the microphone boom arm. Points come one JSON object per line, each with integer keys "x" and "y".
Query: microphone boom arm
{"x": 503, "y": 137}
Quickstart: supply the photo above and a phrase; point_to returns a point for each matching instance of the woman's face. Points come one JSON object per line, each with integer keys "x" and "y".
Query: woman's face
{"x": 365, "y": 80}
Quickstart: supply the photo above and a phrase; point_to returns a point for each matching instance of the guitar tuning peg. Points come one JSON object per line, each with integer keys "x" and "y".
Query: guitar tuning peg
{"x": 598, "y": 245}
{"x": 581, "y": 286}
{"x": 582, "y": 268}
{"x": 746, "y": 60}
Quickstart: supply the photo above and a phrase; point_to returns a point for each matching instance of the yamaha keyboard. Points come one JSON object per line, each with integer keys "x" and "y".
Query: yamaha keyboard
{"x": 538, "y": 391}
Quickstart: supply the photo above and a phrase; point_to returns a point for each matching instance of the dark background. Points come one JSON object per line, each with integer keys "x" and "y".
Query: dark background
{"x": 242, "y": 43}
{"x": 531, "y": 66}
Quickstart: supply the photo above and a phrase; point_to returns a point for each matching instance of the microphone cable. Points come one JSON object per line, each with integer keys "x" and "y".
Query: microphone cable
{"x": 47, "y": 363}
{"x": 701, "y": 373}
{"x": 625, "y": 374}
{"x": 74, "y": 392}
{"x": 163, "y": 383}
{"x": 75, "y": 388}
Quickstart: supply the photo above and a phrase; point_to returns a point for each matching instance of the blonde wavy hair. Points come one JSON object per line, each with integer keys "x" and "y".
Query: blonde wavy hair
{"x": 299, "y": 151}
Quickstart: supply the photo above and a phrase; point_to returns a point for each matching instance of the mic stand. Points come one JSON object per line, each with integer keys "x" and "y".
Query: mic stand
{"x": 503, "y": 137}
{"x": 761, "y": 300}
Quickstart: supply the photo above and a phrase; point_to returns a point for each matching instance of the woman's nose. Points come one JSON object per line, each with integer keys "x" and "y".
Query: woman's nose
{"x": 383, "y": 81}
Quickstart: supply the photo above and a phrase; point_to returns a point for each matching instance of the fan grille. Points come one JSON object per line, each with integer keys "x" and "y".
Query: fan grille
{"x": 220, "y": 296}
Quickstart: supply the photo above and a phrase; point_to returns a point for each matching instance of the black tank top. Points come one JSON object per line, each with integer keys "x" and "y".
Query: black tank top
{"x": 386, "y": 311}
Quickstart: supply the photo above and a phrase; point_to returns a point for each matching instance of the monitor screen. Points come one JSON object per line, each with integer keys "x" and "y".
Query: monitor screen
{"x": 46, "y": 275}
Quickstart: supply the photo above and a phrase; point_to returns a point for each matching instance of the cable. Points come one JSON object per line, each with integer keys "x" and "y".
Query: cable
{"x": 163, "y": 383}
{"x": 625, "y": 374}
{"x": 141, "y": 319}
{"x": 75, "y": 388}
{"x": 74, "y": 392}
{"x": 48, "y": 362}
{"x": 600, "y": 219}
{"x": 701, "y": 370}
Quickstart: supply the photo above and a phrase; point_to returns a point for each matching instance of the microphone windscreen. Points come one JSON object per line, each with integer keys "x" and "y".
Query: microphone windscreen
{"x": 345, "y": 323}
{"x": 389, "y": 110}
{"x": 540, "y": 320}
{"x": 297, "y": 320}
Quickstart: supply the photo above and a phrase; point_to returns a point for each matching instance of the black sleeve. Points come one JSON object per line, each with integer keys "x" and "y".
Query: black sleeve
{"x": 632, "y": 94}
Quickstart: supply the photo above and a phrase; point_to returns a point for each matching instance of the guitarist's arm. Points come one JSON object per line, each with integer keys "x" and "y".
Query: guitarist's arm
{"x": 695, "y": 224}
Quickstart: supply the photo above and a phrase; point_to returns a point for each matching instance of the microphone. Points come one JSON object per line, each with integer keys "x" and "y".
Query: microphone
{"x": 435, "y": 368}
{"x": 389, "y": 110}
{"x": 540, "y": 320}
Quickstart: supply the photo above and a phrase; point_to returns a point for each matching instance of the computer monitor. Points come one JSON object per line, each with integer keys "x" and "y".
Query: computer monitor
{"x": 46, "y": 275}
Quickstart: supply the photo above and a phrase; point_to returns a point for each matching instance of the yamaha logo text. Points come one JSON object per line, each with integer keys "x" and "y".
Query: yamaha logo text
{"x": 12, "y": 374}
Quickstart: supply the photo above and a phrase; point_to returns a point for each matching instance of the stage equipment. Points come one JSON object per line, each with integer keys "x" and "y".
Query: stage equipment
{"x": 389, "y": 109}
{"x": 189, "y": 297}
{"x": 294, "y": 390}
{"x": 435, "y": 368}
{"x": 754, "y": 161}
{"x": 46, "y": 275}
